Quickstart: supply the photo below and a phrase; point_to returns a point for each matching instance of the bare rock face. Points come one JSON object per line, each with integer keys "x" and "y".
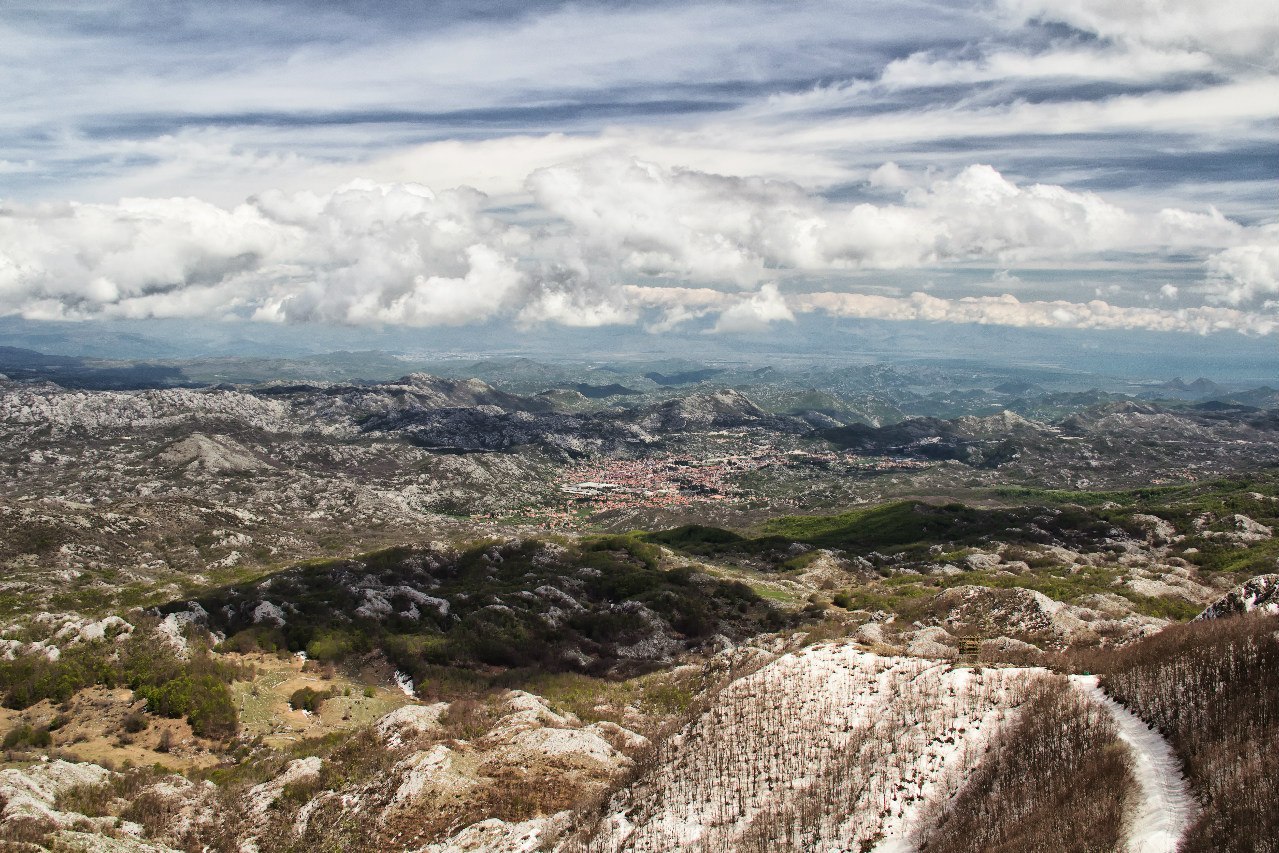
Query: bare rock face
{"x": 827, "y": 570}
{"x": 436, "y": 772}
{"x": 1012, "y": 611}
{"x": 1158, "y": 531}
{"x": 724, "y": 408}
{"x": 499, "y": 836}
{"x": 999, "y": 425}
{"x": 29, "y": 797}
{"x": 263, "y": 796}
{"x": 982, "y": 562}
{"x": 931, "y": 642}
{"x": 1234, "y": 529}
{"x": 1170, "y": 586}
{"x": 1259, "y": 593}
{"x": 30, "y": 793}
{"x": 213, "y": 455}
{"x": 530, "y": 732}
{"x": 411, "y": 722}
{"x": 430, "y": 777}
{"x": 429, "y": 391}
{"x": 1018, "y": 612}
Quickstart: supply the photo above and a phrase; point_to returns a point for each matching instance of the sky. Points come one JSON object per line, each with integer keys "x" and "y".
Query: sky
{"x": 720, "y": 169}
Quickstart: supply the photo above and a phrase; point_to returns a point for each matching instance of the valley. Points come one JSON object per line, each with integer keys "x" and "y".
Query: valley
{"x": 431, "y": 614}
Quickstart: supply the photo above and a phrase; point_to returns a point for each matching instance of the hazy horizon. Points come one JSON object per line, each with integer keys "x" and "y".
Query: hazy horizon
{"x": 1097, "y": 358}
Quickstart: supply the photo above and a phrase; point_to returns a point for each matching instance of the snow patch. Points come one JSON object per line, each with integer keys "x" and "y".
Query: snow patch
{"x": 871, "y": 738}
{"x": 1166, "y": 806}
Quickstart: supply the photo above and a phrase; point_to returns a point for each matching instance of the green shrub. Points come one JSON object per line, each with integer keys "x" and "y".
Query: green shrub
{"x": 609, "y": 626}
{"x": 331, "y": 645}
{"x": 30, "y": 678}
{"x": 632, "y": 545}
{"x": 307, "y": 699}
{"x": 196, "y": 688}
{"x": 27, "y": 735}
{"x": 253, "y": 640}
{"x": 494, "y": 619}
{"x": 499, "y": 638}
{"x": 203, "y": 699}
{"x": 698, "y": 539}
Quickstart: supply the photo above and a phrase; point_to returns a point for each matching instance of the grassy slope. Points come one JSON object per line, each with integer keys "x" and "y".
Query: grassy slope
{"x": 919, "y": 534}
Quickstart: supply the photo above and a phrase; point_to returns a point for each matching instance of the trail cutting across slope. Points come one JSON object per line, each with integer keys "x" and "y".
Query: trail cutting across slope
{"x": 1166, "y": 804}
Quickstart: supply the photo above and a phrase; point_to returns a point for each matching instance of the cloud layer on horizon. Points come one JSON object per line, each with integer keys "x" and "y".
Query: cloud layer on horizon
{"x": 607, "y": 241}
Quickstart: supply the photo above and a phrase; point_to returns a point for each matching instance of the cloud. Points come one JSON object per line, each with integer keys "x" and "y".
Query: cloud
{"x": 893, "y": 177}
{"x": 570, "y": 303}
{"x": 1243, "y": 274}
{"x": 379, "y": 254}
{"x": 756, "y": 313}
{"x": 733, "y": 149}
{"x": 108, "y": 99}
{"x": 260, "y": 55}
{"x": 651, "y": 220}
{"x": 1237, "y": 29}
{"x": 677, "y": 305}
{"x": 1221, "y": 112}
{"x": 77, "y": 260}
{"x": 362, "y": 254}
{"x": 1007, "y": 310}
{"x": 681, "y": 223}
{"x": 1128, "y": 63}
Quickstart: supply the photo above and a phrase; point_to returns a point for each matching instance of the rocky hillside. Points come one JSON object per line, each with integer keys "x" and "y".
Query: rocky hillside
{"x": 434, "y": 615}
{"x": 603, "y": 605}
{"x": 1260, "y": 594}
{"x": 1095, "y": 447}
{"x": 114, "y": 495}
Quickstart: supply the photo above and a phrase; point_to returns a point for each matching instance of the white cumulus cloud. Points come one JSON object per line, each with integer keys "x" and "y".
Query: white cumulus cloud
{"x": 648, "y": 219}
{"x": 376, "y": 254}
{"x": 363, "y": 254}
{"x": 1245, "y": 273}
{"x": 1008, "y": 310}
{"x": 755, "y": 313}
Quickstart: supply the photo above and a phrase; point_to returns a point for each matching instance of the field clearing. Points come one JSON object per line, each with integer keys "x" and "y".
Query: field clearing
{"x": 94, "y": 731}
{"x": 263, "y": 703}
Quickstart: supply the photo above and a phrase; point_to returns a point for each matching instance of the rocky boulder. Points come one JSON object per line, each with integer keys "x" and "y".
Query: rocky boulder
{"x": 1259, "y": 593}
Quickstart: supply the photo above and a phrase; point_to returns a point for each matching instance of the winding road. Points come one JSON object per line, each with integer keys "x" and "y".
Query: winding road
{"x": 1166, "y": 806}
